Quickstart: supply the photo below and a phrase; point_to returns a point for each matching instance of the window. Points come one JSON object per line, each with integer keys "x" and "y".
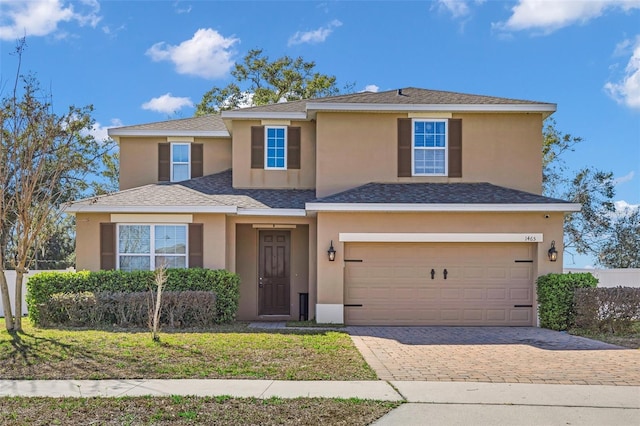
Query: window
{"x": 276, "y": 144}
{"x": 180, "y": 164}
{"x": 429, "y": 149}
{"x": 143, "y": 247}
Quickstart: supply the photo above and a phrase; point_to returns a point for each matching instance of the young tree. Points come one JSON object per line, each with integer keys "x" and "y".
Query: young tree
{"x": 45, "y": 158}
{"x": 259, "y": 81}
{"x": 622, "y": 248}
{"x": 585, "y": 230}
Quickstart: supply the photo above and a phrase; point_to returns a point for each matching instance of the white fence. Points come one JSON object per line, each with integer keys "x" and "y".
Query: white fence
{"x": 612, "y": 277}
{"x": 11, "y": 280}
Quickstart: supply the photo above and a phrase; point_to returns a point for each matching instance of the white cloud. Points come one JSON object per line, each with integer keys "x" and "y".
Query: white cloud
{"x": 551, "y": 15}
{"x": 207, "y": 54}
{"x": 41, "y": 17}
{"x": 623, "y": 179}
{"x": 622, "y": 206}
{"x": 457, "y": 8}
{"x": 167, "y": 104}
{"x": 627, "y": 89}
{"x": 314, "y": 36}
{"x": 180, "y": 10}
{"x": 99, "y": 132}
{"x": 371, "y": 88}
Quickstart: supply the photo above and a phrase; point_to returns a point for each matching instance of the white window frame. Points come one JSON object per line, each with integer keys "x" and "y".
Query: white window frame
{"x": 188, "y": 162}
{"x": 266, "y": 147}
{"x": 446, "y": 146}
{"x": 152, "y": 234}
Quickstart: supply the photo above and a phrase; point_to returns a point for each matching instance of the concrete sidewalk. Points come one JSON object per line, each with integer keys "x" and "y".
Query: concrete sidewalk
{"x": 450, "y": 403}
{"x": 625, "y": 397}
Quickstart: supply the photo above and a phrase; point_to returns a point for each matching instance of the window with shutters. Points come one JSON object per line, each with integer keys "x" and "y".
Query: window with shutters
{"x": 275, "y": 156}
{"x": 180, "y": 162}
{"x": 143, "y": 246}
{"x": 429, "y": 147}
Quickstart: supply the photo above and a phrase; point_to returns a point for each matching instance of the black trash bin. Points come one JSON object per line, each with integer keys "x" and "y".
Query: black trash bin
{"x": 304, "y": 306}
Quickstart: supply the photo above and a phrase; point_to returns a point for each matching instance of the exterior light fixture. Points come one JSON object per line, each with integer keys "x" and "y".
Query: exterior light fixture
{"x": 331, "y": 252}
{"x": 553, "y": 253}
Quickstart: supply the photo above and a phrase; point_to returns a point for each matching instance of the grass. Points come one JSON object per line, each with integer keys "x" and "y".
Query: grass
{"x": 628, "y": 340}
{"x": 226, "y": 352}
{"x": 178, "y": 410}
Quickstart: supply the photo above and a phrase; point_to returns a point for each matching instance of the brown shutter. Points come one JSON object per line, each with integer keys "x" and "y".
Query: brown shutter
{"x": 164, "y": 162}
{"x": 107, "y": 246}
{"x": 404, "y": 147}
{"x": 257, "y": 147}
{"x": 455, "y": 147}
{"x": 196, "y": 160}
{"x": 293, "y": 148}
{"x": 196, "y": 255}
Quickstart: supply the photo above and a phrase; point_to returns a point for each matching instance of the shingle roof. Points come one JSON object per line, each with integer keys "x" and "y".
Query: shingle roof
{"x": 211, "y": 122}
{"x": 436, "y": 193}
{"x": 207, "y": 191}
{"x": 409, "y": 96}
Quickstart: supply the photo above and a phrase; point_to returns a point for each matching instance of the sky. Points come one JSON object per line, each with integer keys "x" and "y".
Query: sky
{"x": 145, "y": 61}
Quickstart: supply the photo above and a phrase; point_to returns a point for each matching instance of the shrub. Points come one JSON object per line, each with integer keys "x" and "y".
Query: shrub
{"x": 180, "y": 309}
{"x": 611, "y": 310}
{"x": 555, "y": 298}
{"x": 223, "y": 284}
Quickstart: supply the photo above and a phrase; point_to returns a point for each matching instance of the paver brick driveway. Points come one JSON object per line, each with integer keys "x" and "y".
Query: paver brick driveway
{"x": 494, "y": 354}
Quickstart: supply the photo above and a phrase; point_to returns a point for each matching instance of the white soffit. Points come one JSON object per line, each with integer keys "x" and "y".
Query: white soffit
{"x": 169, "y": 133}
{"x": 271, "y": 212}
{"x": 381, "y": 207}
{"x": 378, "y": 237}
{"x": 93, "y": 208}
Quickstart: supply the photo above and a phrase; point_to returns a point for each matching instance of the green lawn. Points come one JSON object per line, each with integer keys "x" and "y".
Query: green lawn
{"x": 226, "y": 352}
{"x": 184, "y": 410}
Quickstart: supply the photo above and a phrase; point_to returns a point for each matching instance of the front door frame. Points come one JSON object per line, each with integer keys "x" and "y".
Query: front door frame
{"x": 274, "y": 280}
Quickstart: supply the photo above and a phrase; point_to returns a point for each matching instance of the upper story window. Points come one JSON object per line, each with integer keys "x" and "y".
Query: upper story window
{"x": 429, "y": 147}
{"x": 144, "y": 247}
{"x": 276, "y": 147}
{"x": 180, "y": 162}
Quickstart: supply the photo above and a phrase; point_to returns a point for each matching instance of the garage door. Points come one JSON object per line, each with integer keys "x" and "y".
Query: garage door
{"x": 439, "y": 284}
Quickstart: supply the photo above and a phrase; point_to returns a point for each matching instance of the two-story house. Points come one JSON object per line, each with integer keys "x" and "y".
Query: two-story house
{"x": 412, "y": 206}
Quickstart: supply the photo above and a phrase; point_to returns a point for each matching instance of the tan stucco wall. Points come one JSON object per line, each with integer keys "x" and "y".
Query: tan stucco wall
{"x": 357, "y": 148}
{"x": 246, "y": 263}
{"x": 88, "y": 240}
{"x": 139, "y": 158}
{"x": 246, "y": 177}
{"x": 330, "y": 274}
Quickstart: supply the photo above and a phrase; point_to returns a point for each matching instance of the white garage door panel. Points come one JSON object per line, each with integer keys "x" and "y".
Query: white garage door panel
{"x": 394, "y": 286}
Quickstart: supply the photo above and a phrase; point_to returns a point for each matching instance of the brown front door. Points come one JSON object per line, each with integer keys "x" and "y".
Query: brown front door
{"x": 273, "y": 273}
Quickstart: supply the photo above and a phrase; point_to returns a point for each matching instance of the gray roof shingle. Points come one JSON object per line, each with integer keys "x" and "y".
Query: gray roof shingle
{"x": 211, "y": 122}
{"x": 209, "y": 191}
{"x": 436, "y": 193}
{"x": 409, "y": 96}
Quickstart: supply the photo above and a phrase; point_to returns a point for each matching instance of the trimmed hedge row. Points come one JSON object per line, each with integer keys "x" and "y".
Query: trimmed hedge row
{"x": 180, "y": 309}
{"x": 224, "y": 284}
{"x": 555, "y": 298}
{"x": 607, "y": 309}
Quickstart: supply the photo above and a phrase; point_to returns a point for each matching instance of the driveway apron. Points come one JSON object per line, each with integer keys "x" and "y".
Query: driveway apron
{"x": 494, "y": 354}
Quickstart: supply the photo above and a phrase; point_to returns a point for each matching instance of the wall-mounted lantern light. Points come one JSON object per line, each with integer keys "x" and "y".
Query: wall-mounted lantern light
{"x": 553, "y": 253}
{"x": 331, "y": 252}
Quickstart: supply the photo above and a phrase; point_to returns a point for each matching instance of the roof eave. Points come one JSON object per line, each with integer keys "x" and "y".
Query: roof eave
{"x": 192, "y": 133}
{"x": 329, "y": 106}
{"x": 73, "y": 209}
{"x": 255, "y": 115}
{"x": 466, "y": 207}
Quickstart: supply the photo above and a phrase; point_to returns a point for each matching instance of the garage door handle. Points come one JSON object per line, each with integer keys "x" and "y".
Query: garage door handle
{"x": 445, "y": 274}
{"x": 433, "y": 273}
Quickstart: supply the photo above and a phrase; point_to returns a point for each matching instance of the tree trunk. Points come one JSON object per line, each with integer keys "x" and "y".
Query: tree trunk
{"x": 6, "y": 302}
{"x": 17, "y": 326}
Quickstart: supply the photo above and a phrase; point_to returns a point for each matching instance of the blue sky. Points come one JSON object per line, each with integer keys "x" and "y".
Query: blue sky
{"x": 144, "y": 61}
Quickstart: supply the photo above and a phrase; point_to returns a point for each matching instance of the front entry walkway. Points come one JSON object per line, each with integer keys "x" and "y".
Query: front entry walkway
{"x": 494, "y": 354}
